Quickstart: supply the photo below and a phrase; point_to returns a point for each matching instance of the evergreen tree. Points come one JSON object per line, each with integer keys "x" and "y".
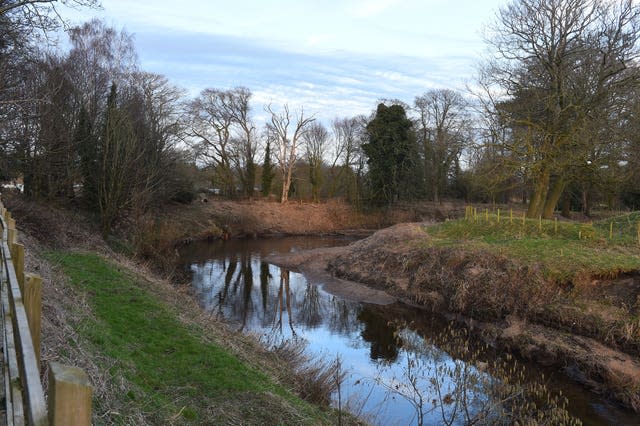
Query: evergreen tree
{"x": 392, "y": 156}
{"x": 267, "y": 171}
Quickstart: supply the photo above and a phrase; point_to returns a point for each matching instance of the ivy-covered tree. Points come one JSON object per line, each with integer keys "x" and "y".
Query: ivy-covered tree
{"x": 391, "y": 156}
{"x": 267, "y": 171}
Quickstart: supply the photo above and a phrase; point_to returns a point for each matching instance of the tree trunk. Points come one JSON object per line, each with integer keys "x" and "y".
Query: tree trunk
{"x": 586, "y": 202}
{"x": 286, "y": 184}
{"x": 552, "y": 198}
{"x": 539, "y": 195}
{"x": 566, "y": 206}
{"x": 284, "y": 196}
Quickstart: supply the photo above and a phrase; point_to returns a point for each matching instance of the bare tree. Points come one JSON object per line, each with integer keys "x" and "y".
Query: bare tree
{"x": 221, "y": 123}
{"x": 161, "y": 100}
{"x": 211, "y": 123}
{"x": 345, "y": 165}
{"x": 31, "y": 84}
{"x": 39, "y": 9}
{"x": 51, "y": 168}
{"x": 315, "y": 139}
{"x": 246, "y": 140}
{"x": 287, "y": 131}
{"x": 118, "y": 159}
{"x": 37, "y": 17}
{"x": 560, "y": 68}
{"x": 443, "y": 132}
{"x": 100, "y": 56}
{"x": 155, "y": 110}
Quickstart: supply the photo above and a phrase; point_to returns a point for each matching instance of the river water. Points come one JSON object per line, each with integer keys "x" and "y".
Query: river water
{"x": 231, "y": 279}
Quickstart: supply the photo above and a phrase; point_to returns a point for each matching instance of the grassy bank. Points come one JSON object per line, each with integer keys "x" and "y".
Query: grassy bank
{"x": 587, "y": 274}
{"x": 566, "y": 251}
{"x": 175, "y": 372}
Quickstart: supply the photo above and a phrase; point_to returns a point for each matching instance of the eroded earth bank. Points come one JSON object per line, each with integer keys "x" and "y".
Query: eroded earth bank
{"x": 511, "y": 304}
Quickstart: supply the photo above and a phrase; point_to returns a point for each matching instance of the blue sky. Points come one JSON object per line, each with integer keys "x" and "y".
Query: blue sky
{"x": 334, "y": 58}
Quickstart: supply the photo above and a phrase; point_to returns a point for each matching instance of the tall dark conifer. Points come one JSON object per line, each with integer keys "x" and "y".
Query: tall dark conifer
{"x": 267, "y": 171}
{"x": 391, "y": 155}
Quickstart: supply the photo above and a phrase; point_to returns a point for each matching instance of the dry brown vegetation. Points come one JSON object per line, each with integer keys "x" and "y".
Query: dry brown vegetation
{"x": 154, "y": 236}
{"x": 480, "y": 285}
{"x": 260, "y": 217}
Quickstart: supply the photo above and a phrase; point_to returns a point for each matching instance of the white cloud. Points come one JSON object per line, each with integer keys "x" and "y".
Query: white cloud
{"x": 333, "y": 57}
{"x": 369, "y": 8}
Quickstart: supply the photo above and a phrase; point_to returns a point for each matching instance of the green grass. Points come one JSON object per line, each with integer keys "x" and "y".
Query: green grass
{"x": 172, "y": 368}
{"x": 563, "y": 249}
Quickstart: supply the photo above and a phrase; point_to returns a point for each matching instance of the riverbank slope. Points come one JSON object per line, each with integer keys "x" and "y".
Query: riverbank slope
{"x": 152, "y": 355}
{"x": 580, "y": 317}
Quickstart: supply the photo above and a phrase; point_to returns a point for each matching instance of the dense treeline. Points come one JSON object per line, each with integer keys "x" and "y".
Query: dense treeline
{"x": 552, "y": 123}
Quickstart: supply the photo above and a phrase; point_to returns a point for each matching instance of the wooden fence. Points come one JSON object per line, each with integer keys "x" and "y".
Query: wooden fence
{"x": 69, "y": 396}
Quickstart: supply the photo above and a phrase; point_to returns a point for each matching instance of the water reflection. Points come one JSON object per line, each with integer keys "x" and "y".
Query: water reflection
{"x": 283, "y": 302}
{"x": 381, "y": 334}
{"x": 284, "y": 305}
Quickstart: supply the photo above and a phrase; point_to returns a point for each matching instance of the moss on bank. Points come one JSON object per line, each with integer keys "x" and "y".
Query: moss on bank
{"x": 177, "y": 374}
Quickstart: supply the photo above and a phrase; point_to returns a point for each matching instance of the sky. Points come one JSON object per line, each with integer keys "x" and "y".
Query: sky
{"x": 334, "y": 58}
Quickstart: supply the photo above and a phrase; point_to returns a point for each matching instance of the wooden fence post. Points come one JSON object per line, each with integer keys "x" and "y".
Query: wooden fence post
{"x": 32, "y": 297}
{"x": 11, "y": 236}
{"x": 611, "y": 230}
{"x": 69, "y": 396}
{"x": 17, "y": 255}
{"x": 11, "y": 223}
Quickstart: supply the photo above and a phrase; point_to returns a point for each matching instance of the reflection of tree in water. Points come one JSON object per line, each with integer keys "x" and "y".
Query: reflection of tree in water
{"x": 380, "y": 334}
{"x": 265, "y": 277}
{"x": 228, "y": 277}
{"x": 247, "y": 272}
{"x": 237, "y": 288}
{"x": 343, "y": 318}
{"x": 284, "y": 301}
{"x": 311, "y": 310}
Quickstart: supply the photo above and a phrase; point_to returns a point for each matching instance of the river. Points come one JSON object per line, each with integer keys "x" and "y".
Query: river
{"x": 231, "y": 279}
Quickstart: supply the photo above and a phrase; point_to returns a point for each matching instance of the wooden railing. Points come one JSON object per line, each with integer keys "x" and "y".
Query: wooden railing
{"x": 69, "y": 401}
